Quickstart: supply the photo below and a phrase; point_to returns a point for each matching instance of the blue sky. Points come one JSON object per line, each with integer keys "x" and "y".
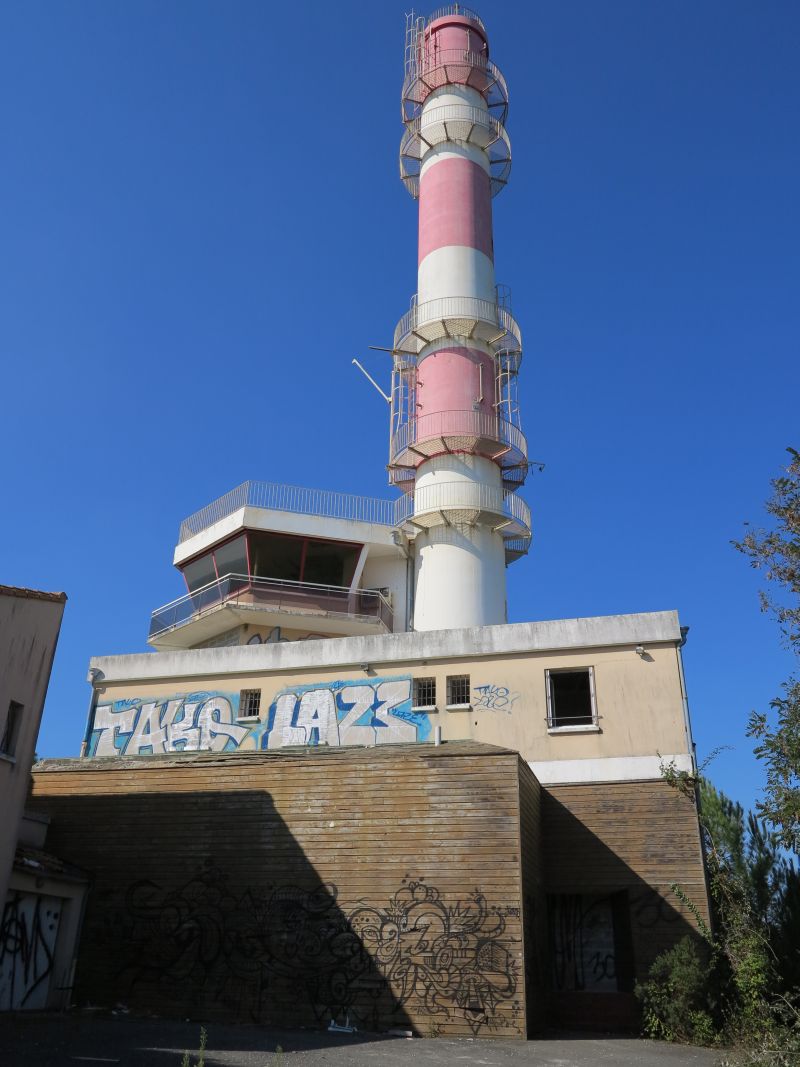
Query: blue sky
{"x": 203, "y": 225}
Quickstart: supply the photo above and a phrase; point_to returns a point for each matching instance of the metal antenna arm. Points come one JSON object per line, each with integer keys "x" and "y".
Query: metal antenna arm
{"x": 369, "y": 378}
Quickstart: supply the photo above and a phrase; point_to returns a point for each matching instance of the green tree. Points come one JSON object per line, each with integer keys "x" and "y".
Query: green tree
{"x": 755, "y": 886}
{"x": 776, "y": 553}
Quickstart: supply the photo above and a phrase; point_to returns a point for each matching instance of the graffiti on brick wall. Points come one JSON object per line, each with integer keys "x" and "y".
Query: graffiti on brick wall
{"x": 28, "y": 933}
{"x": 493, "y": 698}
{"x": 582, "y": 943}
{"x": 411, "y": 955}
{"x": 373, "y": 712}
{"x": 590, "y": 946}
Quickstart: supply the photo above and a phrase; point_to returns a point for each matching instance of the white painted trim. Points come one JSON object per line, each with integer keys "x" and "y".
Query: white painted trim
{"x": 359, "y": 568}
{"x": 607, "y": 769}
{"x": 603, "y": 631}
{"x": 592, "y": 728}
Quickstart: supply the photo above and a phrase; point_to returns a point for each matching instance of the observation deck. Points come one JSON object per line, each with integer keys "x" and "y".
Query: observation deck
{"x": 444, "y": 432}
{"x": 472, "y": 503}
{"x": 241, "y": 599}
{"x": 461, "y": 123}
{"x": 466, "y": 317}
{"x": 433, "y": 70}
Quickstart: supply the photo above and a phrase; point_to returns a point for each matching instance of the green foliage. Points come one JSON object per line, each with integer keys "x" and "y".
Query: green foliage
{"x": 675, "y": 1001}
{"x": 778, "y": 737}
{"x": 727, "y": 987}
{"x": 201, "y": 1052}
{"x": 776, "y": 552}
{"x": 275, "y": 1061}
{"x": 744, "y": 987}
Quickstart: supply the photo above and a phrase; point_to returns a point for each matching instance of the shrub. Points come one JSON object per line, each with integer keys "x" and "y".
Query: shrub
{"x": 675, "y": 999}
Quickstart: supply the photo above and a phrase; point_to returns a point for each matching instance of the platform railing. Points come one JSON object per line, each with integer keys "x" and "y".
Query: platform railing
{"x": 454, "y": 9}
{"x": 453, "y": 66}
{"x": 467, "y": 496}
{"x": 462, "y": 124}
{"x": 272, "y": 594}
{"x": 271, "y": 495}
{"x": 450, "y": 424}
{"x": 456, "y": 316}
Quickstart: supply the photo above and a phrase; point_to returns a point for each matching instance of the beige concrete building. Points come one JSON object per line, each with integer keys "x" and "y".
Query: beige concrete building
{"x": 43, "y": 897}
{"x": 30, "y": 621}
{"x": 288, "y": 687}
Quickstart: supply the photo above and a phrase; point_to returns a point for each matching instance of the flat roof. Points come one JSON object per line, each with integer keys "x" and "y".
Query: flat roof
{"x": 600, "y": 631}
{"x": 350, "y": 753}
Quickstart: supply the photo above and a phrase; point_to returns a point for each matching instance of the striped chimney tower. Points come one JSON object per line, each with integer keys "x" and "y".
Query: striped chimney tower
{"x": 456, "y": 448}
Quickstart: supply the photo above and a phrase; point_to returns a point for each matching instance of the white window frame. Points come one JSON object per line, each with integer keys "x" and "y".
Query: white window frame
{"x": 580, "y": 728}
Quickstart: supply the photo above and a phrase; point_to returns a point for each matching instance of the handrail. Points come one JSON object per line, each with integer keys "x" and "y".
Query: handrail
{"x": 458, "y": 123}
{"x": 276, "y": 497}
{"x": 459, "y": 423}
{"x": 444, "y": 496}
{"x": 454, "y": 9}
{"x": 455, "y": 308}
{"x": 431, "y": 71}
{"x": 442, "y": 113}
{"x": 213, "y": 594}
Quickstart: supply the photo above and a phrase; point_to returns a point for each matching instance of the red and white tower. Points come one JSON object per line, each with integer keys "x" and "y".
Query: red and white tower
{"x": 457, "y": 449}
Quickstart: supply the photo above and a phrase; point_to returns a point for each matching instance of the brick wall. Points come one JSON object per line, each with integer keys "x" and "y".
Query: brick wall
{"x": 610, "y": 853}
{"x": 295, "y": 888}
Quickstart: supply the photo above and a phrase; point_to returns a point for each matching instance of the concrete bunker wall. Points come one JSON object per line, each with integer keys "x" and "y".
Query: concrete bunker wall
{"x": 383, "y": 886}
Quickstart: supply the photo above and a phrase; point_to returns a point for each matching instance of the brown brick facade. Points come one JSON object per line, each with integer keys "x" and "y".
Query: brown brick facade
{"x": 435, "y": 889}
{"x": 383, "y": 886}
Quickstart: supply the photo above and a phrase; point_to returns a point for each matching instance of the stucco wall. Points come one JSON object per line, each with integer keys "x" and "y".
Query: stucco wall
{"x": 639, "y": 697}
{"x": 29, "y": 628}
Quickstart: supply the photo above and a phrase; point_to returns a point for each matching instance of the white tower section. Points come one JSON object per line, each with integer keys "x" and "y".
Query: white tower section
{"x": 457, "y": 449}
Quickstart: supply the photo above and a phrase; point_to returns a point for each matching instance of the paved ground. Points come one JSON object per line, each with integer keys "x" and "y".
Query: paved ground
{"x": 34, "y": 1040}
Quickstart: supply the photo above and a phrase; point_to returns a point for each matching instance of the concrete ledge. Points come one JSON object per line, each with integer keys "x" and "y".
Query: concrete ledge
{"x": 603, "y": 631}
{"x": 608, "y": 769}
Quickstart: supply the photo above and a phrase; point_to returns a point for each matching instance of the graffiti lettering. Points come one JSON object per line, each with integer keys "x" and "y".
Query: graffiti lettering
{"x": 582, "y": 943}
{"x": 377, "y": 712}
{"x": 494, "y": 698}
{"x": 27, "y": 944}
{"x": 453, "y": 961}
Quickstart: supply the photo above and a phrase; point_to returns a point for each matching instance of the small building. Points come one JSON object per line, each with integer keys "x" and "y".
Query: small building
{"x": 42, "y": 896}
{"x": 30, "y": 621}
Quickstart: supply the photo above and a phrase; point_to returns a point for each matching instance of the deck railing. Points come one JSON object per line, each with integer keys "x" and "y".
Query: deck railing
{"x": 272, "y": 594}
{"x": 323, "y": 502}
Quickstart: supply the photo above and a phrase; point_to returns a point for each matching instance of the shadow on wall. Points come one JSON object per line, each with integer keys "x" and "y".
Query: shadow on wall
{"x": 203, "y": 905}
{"x": 606, "y": 923}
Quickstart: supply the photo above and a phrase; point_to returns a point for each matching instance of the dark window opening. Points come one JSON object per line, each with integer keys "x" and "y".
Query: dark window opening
{"x": 231, "y": 557}
{"x": 327, "y": 563}
{"x": 278, "y": 556}
{"x": 274, "y": 556}
{"x": 458, "y": 690}
{"x": 8, "y": 742}
{"x": 424, "y": 692}
{"x": 570, "y": 698}
{"x": 200, "y": 572}
{"x": 591, "y": 947}
{"x": 249, "y": 703}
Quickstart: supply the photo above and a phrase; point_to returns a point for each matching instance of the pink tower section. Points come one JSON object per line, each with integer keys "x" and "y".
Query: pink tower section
{"x": 457, "y": 448}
